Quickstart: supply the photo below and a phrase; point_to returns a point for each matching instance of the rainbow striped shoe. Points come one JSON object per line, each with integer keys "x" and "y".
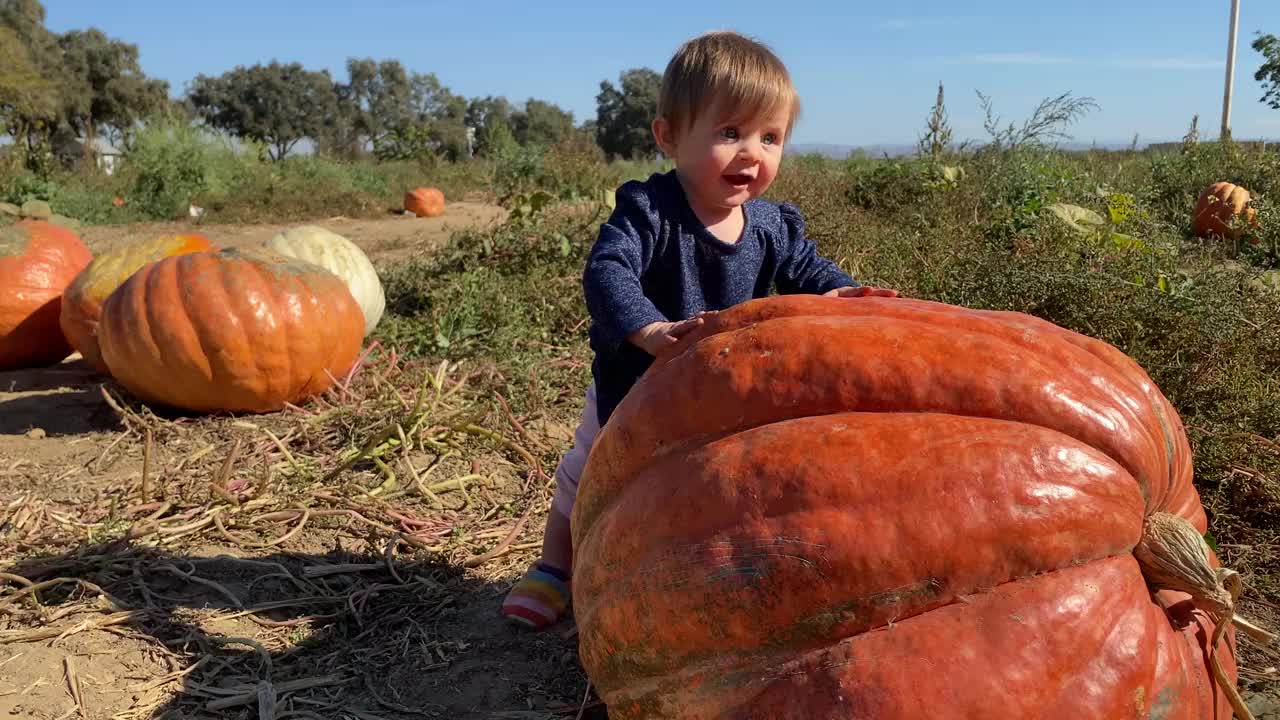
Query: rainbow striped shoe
{"x": 539, "y": 599}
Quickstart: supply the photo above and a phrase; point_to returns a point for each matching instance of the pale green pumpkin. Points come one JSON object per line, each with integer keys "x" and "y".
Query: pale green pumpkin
{"x": 341, "y": 257}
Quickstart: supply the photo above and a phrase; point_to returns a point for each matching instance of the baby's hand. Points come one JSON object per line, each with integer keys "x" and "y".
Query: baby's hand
{"x": 656, "y": 337}
{"x": 860, "y": 291}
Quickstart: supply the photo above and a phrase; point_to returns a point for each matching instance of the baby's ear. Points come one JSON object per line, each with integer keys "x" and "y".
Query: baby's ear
{"x": 664, "y": 135}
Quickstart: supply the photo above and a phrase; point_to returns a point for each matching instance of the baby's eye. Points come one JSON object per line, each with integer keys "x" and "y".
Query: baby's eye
{"x": 729, "y": 133}
{"x": 770, "y": 138}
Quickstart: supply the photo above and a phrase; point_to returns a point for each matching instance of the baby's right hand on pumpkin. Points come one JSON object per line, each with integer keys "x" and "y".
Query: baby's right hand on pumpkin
{"x": 656, "y": 337}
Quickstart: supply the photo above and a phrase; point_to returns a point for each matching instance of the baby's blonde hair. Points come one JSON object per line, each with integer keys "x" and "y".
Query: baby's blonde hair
{"x": 738, "y": 77}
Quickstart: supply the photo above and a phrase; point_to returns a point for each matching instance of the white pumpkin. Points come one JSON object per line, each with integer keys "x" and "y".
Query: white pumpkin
{"x": 341, "y": 257}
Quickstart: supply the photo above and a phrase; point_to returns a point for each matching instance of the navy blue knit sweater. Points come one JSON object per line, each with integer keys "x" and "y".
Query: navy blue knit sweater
{"x": 654, "y": 261}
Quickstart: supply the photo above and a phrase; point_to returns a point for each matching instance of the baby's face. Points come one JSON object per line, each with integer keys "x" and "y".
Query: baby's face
{"x": 726, "y": 162}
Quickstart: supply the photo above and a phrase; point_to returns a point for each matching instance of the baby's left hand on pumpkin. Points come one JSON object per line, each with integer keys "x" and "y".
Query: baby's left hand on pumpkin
{"x": 860, "y": 291}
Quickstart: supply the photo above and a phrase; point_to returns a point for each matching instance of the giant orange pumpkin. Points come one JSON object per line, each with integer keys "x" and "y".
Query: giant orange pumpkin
{"x": 424, "y": 202}
{"x": 38, "y": 259}
{"x": 242, "y": 329}
{"x": 887, "y": 508}
{"x": 82, "y": 301}
{"x": 1217, "y": 206}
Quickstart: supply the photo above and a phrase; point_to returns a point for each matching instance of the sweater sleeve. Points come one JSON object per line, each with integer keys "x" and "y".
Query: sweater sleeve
{"x": 612, "y": 277}
{"x": 801, "y": 269}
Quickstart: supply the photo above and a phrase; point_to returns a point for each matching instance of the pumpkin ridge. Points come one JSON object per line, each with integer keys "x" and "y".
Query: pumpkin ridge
{"x": 270, "y": 277}
{"x": 176, "y": 272}
{"x": 126, "y": 361}
{"x": 999, "y": 324}
{"x": 795, "y": 337}
{"x": 281, "y": 294}
{"x": 680, "y": 555}
{"x": 194, "y": 281}
{"x": 715, "y": 672}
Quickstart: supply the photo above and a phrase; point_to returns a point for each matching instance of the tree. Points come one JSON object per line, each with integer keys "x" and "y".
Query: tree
{"x": 490, "y": 118}
{"x": 277, "y": 104}
{"x": 25, "y": 92}
{"x": 106, "y": 87}
{"x": 624, "y": 117}
{"x": 58, "y": 87}
{"x": 1269, "y": 74}
{"x": 33, "y": 84}
{"x": 444, "y": 114}
{"x": 381, "y": 97}
{"x": 541, "y": 123}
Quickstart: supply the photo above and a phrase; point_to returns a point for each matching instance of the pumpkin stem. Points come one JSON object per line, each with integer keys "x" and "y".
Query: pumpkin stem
{"x": 1174, "y": 556}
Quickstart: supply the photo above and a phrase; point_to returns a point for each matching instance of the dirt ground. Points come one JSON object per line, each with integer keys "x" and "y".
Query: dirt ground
{"x": 140, "y": 628}
{"x": 385, "y": 238}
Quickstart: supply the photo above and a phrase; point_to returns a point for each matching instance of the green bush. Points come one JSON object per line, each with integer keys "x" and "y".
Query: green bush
{"x": 169, "y": 167}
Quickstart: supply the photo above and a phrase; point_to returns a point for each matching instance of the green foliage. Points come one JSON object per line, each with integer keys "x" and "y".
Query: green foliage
{"x": 56, "y": 87}
{"x": 25, "y": 92}
{"x": 541, "y": 123}
{"x": 107, "y": 89}
{"x": 491, "y": 117}
{"x": 937, "y": 135}
{"x": 510, "y": 295}
{"x": 169, "y": 167}
{"x": 624, "y": 115}
{"x": 1268, "y": 73}
{"x": 277, "y": 104}
{"x": 406, "y": 143}
{"x": 1176, "y": 180}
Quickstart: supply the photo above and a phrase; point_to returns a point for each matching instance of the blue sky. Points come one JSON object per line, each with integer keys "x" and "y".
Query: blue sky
{"x": 867, "y": 72}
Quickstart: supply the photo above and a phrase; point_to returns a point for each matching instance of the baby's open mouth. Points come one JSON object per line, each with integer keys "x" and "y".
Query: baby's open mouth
{"x": 738, "y": 179}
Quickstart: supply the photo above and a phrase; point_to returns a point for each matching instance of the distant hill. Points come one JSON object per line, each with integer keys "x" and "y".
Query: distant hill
{"x": 836, "y": 150}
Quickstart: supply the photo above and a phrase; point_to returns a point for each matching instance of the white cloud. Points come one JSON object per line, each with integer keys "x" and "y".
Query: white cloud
{"x": 1171, "y": 64}
{"x": 1122, "y": 63}
{"x": 1019, "y": 58}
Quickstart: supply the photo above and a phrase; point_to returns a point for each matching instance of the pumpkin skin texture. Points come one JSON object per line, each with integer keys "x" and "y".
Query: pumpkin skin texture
{"x": 341, "y": 257}
{"x": 424, "y": 202}
{"x": 1217, "y": 206}
{"x": 82, "y": 301}
{"x": 892, "y": 508}
{"x": 242, "y": 329}
{"x": 38, "y": 259}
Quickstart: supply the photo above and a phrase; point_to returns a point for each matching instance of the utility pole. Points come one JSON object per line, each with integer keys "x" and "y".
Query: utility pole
{"x": 1231, "y": 69}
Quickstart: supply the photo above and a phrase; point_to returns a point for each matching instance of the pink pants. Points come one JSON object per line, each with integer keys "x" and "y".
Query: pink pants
{"x": 569, "y": 471}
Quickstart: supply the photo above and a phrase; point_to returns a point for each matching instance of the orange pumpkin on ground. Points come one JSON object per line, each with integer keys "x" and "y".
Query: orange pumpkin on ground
{"x": 82, "y": 301}
{"x": 424, "y": 202}
{"x": 1217, "y": 206}
{"x": 242, "y": 329}
{"x": 827, "y": 508}
{"x": 38, "y": 259}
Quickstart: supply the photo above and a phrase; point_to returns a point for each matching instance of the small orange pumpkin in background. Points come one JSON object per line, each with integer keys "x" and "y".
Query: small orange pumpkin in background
{"x": 424, "y": 202}
{"x": 241, "y": 329}
{"x": 38, "y": 259}
{"x": 1217, "y": 206}
{"x": 82, "y": 301}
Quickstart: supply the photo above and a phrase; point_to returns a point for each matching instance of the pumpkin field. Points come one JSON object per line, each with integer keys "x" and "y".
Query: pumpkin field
{"x": 338, "y": 546}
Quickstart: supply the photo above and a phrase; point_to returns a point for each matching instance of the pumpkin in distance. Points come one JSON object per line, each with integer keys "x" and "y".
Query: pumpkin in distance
{"x": 341, "y": 257}
{"x": 38, "y": 259}
{"x": 424, "y": 202}
{"x": 242, "y": 329}
{"x": 82, "y": 301}
{"x": 1217, "y": 206}
{"x": 886, "y": 508}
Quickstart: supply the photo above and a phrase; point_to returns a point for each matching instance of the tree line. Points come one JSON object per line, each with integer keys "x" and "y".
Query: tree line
{"x": 58, "y": 89}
